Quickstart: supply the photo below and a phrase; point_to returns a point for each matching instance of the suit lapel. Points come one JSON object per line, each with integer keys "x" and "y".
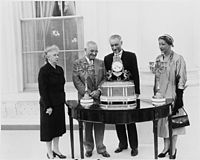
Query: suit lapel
{"x": 123, "y": 57}
{"x": 111, "y": 59}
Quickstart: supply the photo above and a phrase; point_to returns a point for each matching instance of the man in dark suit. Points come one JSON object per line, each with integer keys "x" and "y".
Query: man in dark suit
{"x": 93, "y": 81}
{"x": 129, "y": 61}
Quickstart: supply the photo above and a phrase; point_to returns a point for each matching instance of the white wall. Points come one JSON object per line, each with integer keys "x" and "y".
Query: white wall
{"x": 140, "y": 23}
{"x": 11, "y": 60}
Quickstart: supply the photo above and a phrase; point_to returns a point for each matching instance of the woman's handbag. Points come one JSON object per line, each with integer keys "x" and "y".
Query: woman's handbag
{"x": 180, "y": 120}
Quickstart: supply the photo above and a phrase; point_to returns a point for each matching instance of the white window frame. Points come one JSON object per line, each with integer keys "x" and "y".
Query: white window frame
{"x": 69, "y": 85}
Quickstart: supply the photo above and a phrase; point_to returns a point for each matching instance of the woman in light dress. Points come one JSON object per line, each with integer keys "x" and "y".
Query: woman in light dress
{"x": 172, "y": 84}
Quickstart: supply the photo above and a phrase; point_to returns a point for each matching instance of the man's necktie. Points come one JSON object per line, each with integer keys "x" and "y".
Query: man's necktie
{"x": 93, "y": 72}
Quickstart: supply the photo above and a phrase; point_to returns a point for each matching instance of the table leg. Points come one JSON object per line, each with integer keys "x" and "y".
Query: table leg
{"x": 170, "y": 136}
{"x": 81, "y": 138}
{"x": 71, "y": 135}
{"x": 155, "y": 132}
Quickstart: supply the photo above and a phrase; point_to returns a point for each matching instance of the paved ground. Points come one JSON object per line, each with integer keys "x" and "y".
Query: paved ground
{"x": 25, "y": 145}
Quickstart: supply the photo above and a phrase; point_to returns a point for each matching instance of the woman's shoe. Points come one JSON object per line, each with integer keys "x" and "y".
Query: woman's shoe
{"x": 174, "y": 156}
{"x": 161, "y": 155}
{"x": 59, "y": 155}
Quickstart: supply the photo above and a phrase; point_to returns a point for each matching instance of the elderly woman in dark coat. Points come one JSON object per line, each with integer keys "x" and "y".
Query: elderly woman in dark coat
{"x": 52, "y": 98}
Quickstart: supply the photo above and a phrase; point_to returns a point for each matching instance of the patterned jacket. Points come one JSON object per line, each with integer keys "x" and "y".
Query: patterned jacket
{"x": 94, "y": 79}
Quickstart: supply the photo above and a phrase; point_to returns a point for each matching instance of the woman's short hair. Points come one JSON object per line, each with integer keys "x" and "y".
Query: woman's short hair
{"x": 49, "y": 49}
{"x": 168, "y": 39}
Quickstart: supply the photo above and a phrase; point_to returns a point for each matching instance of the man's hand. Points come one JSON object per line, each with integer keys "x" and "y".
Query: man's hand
{"x": 49, "y": 111}
{"x": 95, "y": 94}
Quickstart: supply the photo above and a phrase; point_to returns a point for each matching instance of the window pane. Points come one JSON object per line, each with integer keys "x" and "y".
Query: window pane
{"x": 80, "y": 33}
{"x": 31, "y": 65}
{"x": 71, "y": 27}
{"x": 64, "y": 8}
{"x": 47, "y": 8}
{"x": 70, "y": 57}
{"x": 38, "y": 9}
{"x": 69, "y": 8}
{"x": 32, "y": 36}
{"x": 61, "y": 60}
{"x": 54, "y": 32}
{"x": 57, "y": 9}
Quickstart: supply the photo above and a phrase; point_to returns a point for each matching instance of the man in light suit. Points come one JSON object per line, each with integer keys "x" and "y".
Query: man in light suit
{"x": 129, "y": 61}
{"x": 93, "y": 82}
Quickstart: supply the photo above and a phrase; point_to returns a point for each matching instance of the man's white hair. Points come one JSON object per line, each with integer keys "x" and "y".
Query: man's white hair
{"x": 90, "y": 42}
{"x": 116, "y": 36}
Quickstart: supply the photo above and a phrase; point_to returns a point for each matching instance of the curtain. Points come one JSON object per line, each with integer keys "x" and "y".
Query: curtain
{"x": 69, "y": 8}
{"x": 29, "y": 37}
{"x": 33, "y": 32}
{"x": 47, "y": 8}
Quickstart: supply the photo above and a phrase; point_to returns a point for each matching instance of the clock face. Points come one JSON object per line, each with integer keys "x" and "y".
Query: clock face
{"x": 117, "y": 66}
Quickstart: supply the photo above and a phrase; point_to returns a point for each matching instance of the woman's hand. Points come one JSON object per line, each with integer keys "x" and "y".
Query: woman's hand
{"x": 49, "y": 111}
{"x": 178, "y": 101}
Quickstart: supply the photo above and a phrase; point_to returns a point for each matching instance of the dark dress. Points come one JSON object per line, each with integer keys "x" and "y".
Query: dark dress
{"x": 51, "y": 88}
{"x": 129, "y": 61}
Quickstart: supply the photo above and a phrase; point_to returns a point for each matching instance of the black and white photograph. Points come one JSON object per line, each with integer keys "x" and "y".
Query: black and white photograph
{"x": 100, "y": 79}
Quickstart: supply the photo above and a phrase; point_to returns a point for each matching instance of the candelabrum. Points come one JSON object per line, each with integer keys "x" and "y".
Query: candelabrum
{"x": 87, "y": 100}
{"x": 157, "y": 68}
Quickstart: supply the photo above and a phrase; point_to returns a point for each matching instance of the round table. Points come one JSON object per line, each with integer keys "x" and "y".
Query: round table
{"x": 144, "y": 111}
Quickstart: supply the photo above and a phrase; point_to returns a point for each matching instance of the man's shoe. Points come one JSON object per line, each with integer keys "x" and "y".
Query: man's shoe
{"x": 105, "y": 154}
{"x": 119, "y": 149}
{"x": 88, "y": 153}
{"x": 134, "y": 152}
